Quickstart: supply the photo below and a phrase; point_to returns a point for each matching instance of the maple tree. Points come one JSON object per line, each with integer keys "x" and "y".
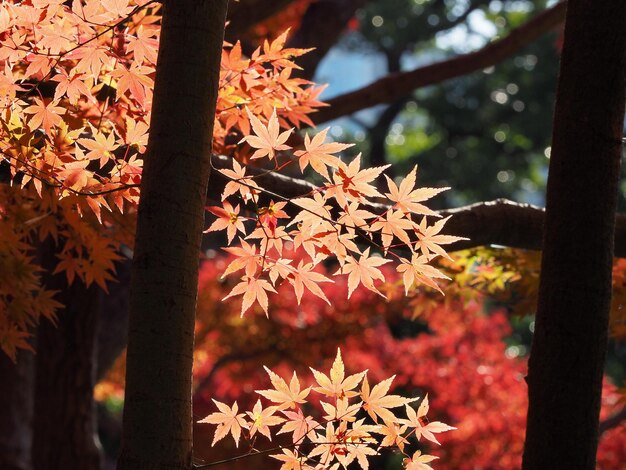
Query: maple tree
{"x": 77, "y": 96}
{"x": 82, "y": 159}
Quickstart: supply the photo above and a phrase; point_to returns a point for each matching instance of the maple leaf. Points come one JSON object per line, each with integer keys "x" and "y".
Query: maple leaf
{"x": 343, "y": 410}
{"x": 228, "y": 219}
{"x": 350, "y": 183}
{"x": 240, "y": 183}
{"x": 253, "y": 289}
{"x": 318, "y": 154}
{"x": 407, "y": 199}
{"x": 270, "y": 239}
{"x": 421, "y": 425}
{"x": 291, "y": 460}
{"x": 262, "y": 418}
{"x": 298, "y": 424}
{"x": 46, "y": 115}
{"x": 418, "y": 270}
{"x": 274, "y": 52}
{"x": 393, "y": 435}
{"x": 418, "y": 461}
{"x": 72, "y": 85}
{"x": 338, "y": 385}
{"x": 393, "y": 223}
{"x": 76, "y": 176}
{"x": 100, "y": 146}
{"x": 136, "y": 134}
{"x": 228, "y": 422}
{"x": 246, "y": 257}
{"x": 269, "y": 215}
{"x": 429, "y": 238}
{"x": 92, "y": 58}
{"x": 285, "y": 396}
{"x": 144, "y": 44}
{"x": 377, "y": 403}
{"x": 326, "y": 446}
{"x": 136, "y": 80}
{"x": 315, "y": 210}
{"x": 354, "y": 218}
{"x": 303, "y": 276}
{"x": 267, "y": 140}
{"x": 364, "y": 271}
{"x": 357, "y": 439}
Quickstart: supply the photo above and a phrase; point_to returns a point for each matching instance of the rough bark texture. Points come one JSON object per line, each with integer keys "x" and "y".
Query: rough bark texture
{"x": 64, "y": 428}
{"x": 16, "y": 410}
{"x": 157, "y": 413}
{"x": 569, "y": 346}
{"x": 395, "y": 86}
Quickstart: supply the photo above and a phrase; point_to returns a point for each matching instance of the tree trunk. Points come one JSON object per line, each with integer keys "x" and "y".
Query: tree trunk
{"x": 569, "y": 346}
{"x": 16, "y": 410}
{"x": 64, "y": 428}
{"x": 157, "y": 412}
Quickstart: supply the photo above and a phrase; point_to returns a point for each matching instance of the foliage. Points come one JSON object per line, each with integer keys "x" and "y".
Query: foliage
{"x": 75, "y": 105}
{"x": 459, "y": 349}
{"x": 344, "y": 435}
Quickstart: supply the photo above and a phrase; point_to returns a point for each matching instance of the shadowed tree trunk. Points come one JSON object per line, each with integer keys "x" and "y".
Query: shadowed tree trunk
{"x": 157, "y": 412}
{"x": 64, "y": 428}
{"x": 569, "y": 346}
{"x": 16, "y": 410}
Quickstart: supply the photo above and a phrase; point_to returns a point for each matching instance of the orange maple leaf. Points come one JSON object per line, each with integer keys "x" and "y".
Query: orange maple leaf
{"x": 304, "y": 276}
{"x": 418, "y": 270}
{"x": 253, "y": 289}
{"x": 46, "y": 115}
{"x": 377, "y": 403}
{"x": 228, "y": 219}
{"x": 408, "y": 199}
{"x": 267, "y": 140}
{"x": 421, "y": 425}
{"x": 285, "y": 395}
{"x": 228, "y": 422}
{"x": 363, "y": 271}
{"x": 337, "y": 385}
{"x": 394, "y": 223}
{"x": 350, "y": 183}
{"x": 319, "y": 154}
{"x": 262, "y": 418}
{"x": 430, "y": 239}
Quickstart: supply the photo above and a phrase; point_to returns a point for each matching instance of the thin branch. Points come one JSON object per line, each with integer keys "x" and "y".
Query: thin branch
{"x": 499, "y": 222}
{"x": 613, "y": 421}
{"x": 396, "y": 85}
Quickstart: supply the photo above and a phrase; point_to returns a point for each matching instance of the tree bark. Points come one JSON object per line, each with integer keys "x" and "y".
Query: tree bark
{"x": 569, "y": 346}
{"x": 64, "y": 427}
{"x": 157, "y": 413}
{"x": 16, "y": 410}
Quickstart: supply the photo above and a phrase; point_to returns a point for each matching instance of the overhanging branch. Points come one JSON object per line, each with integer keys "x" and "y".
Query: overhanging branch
{"x": 394, "y": 86}
{"x": 499, "y": 222}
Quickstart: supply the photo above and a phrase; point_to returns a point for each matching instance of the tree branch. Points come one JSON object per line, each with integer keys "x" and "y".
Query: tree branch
{"x": 612, "y": 421}
{"x": 499, "y": 222}
{"x": 321, "y": 26}
{"x": 244, "y": 14}
{"x": 396, "y": 85}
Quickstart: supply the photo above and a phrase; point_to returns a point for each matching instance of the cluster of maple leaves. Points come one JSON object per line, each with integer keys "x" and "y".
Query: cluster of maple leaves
{"x": 320, "y": 233}
{"x": 458, "y": 350}
{"x": 75, "y": 98}
{"x": 343, "y": 436}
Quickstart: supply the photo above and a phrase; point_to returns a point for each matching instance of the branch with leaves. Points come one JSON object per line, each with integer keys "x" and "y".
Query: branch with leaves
{"x": 356, "y": 424}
